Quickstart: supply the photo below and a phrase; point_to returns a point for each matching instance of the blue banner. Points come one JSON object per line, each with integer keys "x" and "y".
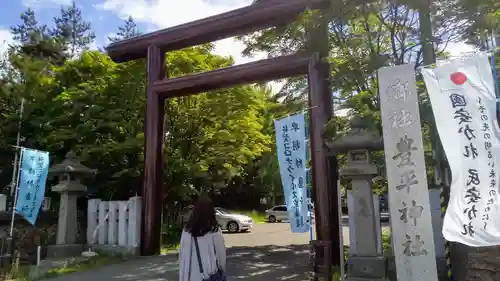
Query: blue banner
{"x": 34, "y": 167}
{"x": 291, "y": 150}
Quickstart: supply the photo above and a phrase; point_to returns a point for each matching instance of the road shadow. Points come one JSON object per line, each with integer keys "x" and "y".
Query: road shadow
{"x": 250, "y": 263}
{"x": 268, "y": 262}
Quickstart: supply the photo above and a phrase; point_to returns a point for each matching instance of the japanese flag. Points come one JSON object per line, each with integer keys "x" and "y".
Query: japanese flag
{"x": 463, "y": 101}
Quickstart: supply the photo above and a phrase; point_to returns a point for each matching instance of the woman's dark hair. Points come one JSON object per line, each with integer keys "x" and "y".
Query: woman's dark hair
{"x": 202, "y": 219}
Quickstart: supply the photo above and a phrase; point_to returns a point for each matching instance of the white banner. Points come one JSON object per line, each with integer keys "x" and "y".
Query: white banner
{"x": 464, "y": 104}
{"x": 291, "y": 150}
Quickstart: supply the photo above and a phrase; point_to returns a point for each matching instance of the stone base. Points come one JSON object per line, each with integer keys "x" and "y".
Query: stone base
{"x": 441, "y": 268}
{"x": 64, "y": 251}
{"x": 371, "y": 268}
{"x": 116, "y": 250}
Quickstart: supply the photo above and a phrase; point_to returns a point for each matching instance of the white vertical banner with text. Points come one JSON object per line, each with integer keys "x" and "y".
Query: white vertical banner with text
{"x": 291, "y": 150}
{"x": 462, "y": 95}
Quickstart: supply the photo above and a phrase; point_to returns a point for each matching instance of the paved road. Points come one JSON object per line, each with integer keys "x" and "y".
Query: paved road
{"x": 278, "y": 234}
{"x": 268, "y": 252}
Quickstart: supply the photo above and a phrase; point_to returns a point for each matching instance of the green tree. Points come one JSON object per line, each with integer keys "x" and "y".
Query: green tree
{"x": 362, "y": 38}
{"x": 212, "y": 136}
{"x": 95, "y": 107}
{"x": 34, "y": 40}
{"x": 72, "y": 30}
{"x": 23, "y": 32}
{"x": 128, "y": 30}
{"x": 261, "y": 177}
{"x": 482, "y": 18}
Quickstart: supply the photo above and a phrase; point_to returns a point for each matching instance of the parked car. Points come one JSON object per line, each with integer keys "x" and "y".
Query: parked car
{"x": 227, "y": 220}
{"x": 279, "y": 213}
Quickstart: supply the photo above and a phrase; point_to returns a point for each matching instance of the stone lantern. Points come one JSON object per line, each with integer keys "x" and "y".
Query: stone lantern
{"x": 70, "y": 172}
{"x": 367, "y": 263}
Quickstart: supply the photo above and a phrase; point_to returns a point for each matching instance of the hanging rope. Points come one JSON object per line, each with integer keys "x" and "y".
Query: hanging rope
{"x": 444, "y": 206}
{"x": 308, "y": 174}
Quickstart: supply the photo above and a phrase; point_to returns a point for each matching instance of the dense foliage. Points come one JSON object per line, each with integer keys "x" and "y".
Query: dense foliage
{"x": 364, "y": 36}
{"x": 222, "y": 141}
{"x": 82, "y": 101}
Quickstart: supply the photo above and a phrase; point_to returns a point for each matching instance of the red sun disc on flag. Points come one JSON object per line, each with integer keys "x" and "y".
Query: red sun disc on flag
{"x": 458, "y": 78}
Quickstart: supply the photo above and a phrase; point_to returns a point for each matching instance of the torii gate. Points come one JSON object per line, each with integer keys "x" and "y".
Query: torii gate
{"x": 255, "y": 17}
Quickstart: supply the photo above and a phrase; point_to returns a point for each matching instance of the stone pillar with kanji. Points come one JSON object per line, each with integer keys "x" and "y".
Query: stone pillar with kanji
{"x": 70, "y": 174}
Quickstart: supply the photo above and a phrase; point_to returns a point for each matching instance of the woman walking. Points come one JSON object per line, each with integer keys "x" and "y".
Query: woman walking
{"x": 202, "y": 250}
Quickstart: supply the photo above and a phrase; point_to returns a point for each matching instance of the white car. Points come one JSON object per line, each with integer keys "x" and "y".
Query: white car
{"x": 227, "y": 220}
{"x": 279, "y": 213}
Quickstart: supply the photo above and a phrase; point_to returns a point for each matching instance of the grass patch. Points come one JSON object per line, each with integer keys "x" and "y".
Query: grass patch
{"x": 85, "y": 265}
{"x": 18, "y": 274}
{"x": 257, "y": 217}
{"x": 169, "y": 248}
{"x": 22, "y": 273}
{"x": 170, "y": 238}
{"x": 386, "y": 242}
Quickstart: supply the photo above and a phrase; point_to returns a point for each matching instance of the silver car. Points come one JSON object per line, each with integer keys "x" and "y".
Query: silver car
{"x": 279, "y": 213}
{"x": 228, "y": 220}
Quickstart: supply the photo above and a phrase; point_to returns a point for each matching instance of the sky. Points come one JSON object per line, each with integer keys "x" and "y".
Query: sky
{"x": 150, "y": 15}
{"x": 107, "y": 15}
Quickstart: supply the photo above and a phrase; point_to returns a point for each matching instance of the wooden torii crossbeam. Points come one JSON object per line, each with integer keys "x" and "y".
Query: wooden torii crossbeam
{"x": 255, "y": 17}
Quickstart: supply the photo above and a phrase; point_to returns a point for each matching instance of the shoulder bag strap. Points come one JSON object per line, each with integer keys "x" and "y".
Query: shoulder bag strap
{"x": 215, "y": 252}
{"x": 198, "y": 254}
